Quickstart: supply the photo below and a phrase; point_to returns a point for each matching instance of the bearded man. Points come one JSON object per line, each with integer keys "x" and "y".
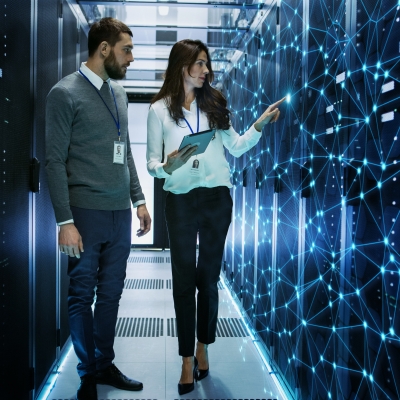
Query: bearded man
{"x": 91, "y": 187}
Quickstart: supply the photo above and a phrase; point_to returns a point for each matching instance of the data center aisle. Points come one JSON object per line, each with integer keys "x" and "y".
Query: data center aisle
{"x": 147, "y": 350}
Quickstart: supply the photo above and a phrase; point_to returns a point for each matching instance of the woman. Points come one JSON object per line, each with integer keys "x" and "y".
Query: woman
{"x": 198, "y": 202}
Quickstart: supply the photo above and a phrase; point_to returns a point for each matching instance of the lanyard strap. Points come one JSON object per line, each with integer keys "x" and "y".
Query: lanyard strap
{"x": 198, "y": 119}
{"x": 117, "y": 123}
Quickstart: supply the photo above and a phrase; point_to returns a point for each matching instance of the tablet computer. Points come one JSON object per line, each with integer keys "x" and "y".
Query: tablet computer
{"x": 200, "y": 139}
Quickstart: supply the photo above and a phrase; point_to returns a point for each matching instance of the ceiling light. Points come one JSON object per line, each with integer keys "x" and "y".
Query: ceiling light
{"x": 163, "y": 10}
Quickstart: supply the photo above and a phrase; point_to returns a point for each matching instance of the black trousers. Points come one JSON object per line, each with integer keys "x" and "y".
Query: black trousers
{"x": 206, "y": 212}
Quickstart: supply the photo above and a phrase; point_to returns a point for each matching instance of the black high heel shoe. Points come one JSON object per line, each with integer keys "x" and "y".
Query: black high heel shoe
{"x": 184, "y": 388}
{"x": 202, "y": 373}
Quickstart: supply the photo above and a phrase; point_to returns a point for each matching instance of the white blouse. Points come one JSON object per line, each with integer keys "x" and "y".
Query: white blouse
{"x": 213, "y": 169}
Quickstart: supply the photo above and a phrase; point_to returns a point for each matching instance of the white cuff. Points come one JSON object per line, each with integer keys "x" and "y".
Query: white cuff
{"x": 70, "y": 221}
{"x": 139, "y": 203}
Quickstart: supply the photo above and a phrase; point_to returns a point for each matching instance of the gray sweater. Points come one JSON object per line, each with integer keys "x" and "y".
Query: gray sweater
{"x": 80, "y": 135}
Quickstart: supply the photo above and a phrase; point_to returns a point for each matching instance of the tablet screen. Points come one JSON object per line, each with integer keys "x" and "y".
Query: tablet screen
{"x": 200, "y": 139}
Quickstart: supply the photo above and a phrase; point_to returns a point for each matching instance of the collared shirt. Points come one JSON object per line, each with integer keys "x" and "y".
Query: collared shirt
{"x": 213, "y": 168}
{"x": 98, "y": 83}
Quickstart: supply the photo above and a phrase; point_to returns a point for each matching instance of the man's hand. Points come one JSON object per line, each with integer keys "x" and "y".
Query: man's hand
{"x": 271, "y": 114}
{"x": 177, "y": 158}
{"x": 145, "y": 220}
{"x": 70, "y": 241}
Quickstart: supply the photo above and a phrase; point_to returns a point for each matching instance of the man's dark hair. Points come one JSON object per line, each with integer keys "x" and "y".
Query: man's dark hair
{"x": 106, "y": 30}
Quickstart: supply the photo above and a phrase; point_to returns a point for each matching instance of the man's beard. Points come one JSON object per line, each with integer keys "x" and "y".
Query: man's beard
{"x": 114, "y": 71}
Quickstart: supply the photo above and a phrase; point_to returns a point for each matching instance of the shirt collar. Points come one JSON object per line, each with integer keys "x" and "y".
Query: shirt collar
{"x": 93, "y": 78}
{"x": 193, "y": 106}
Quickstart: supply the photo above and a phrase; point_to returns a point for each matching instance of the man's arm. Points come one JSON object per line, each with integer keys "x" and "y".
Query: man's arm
{"x": 59, "y": 117}
{"x": 137, "y": 196}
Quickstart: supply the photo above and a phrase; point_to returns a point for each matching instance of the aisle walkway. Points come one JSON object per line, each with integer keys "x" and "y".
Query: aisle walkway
{"x": 147, "y": 350}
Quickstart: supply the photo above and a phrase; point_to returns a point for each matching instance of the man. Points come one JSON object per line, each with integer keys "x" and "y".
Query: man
{"x": 91, "y": 187}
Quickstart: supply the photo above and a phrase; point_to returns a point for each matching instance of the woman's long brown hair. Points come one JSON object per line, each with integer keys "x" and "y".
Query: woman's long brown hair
{"x": 209, "y": 100}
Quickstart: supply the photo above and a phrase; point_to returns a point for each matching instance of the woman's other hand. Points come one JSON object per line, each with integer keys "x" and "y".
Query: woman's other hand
{"x": 271, "y": 114}
{"x": 177, "y": 158}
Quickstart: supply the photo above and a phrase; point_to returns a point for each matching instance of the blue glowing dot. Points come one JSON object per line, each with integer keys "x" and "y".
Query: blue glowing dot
{"x": 365, "y": 161}
{"x": 383, "y": 166}
{"x": 353, "y": 246}
{"x": 333, "y": 254}
{"x": 358, "y": 170}
{"x": 392, "y": 258}
{"x": 304, "y": 322}
{"x": 358, "y": 292}
{"x": 329, "y": 287}
{"x": 364, "y": 67}
{"x": 329, "y": 395}
{"x": 306, "y": 84}
{"x": 374, "y": 107}
{"x": 330, "y": 156}
{"x": 365, "y": 372}
{"x": 379, "y": 185}
{"x": 383, "y": 270}
{"x": 313, "y": 370}
{"x": 386, "y": 241}
{"x": 371, "y": 378}
{"x": 330, "y": 304}
{"x": 391, "y": 330}
{"x": 333, "y": 266}
{"x": 288, "y": 98}
{"x": 311, "y": 156}
{"x": 313, "y": 136}
{"x": 342, "y": 85}
{"x": 376, "y": 76}
{"x": 320, "y": 277}
{"x": 321, "y": 358}
{"x": 337, "y": 129}
{"x": 383, "y": 336}
{"x": 340, "y": 116}
{"x": 367, "y": 120}
{"x": 365, "y": 324}
{"x": 361, "y": 195}
{"x": 348, "y": 73}
{"x": 386, "y": 74}
{"x": 378, "y": 65}
{"x": 340, "y": 295}
{"x": 326, "y": 72}
{"x": 322, "y": 91}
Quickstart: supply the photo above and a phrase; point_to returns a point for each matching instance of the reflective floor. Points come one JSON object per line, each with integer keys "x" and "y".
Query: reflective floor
{"x": 146, "y": 345}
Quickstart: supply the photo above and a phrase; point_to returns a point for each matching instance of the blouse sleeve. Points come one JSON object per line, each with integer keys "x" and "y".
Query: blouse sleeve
{"x": 238, "y": 145}
{"x": 155, "y": 145}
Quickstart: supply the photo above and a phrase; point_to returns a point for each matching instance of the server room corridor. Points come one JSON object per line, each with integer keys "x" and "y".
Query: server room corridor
{"x": 309, "y": 292}
{"x": 146, "y": 345}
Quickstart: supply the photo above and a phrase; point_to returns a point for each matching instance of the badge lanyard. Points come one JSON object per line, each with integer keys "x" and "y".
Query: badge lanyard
{"x": 117, "y": 123}
{"x": 198, "y": 121}
{"x": 195, "y": 167}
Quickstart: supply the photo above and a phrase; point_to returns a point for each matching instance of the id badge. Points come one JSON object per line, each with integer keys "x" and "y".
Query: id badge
{"x": 195, "y": 170}
{"x": 119, "y": 152}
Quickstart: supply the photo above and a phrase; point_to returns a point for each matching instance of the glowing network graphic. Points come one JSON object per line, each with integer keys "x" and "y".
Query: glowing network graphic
{"x": 313, "y": 249}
